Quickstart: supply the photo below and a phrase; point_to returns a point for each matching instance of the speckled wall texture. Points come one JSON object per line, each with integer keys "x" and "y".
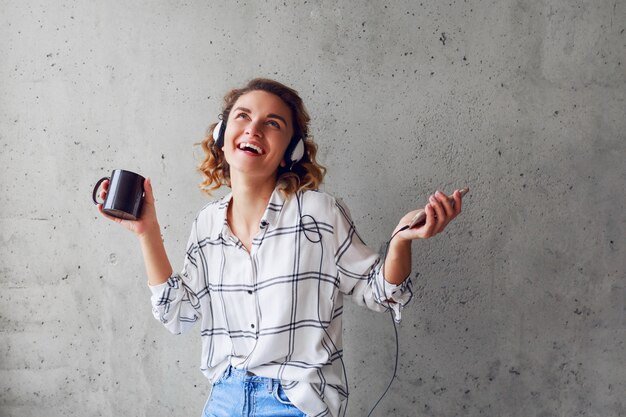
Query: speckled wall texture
{"x": 520, "y": 307}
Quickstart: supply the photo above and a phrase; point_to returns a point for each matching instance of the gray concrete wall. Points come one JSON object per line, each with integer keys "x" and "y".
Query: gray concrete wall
{"x": 520, "y": 307}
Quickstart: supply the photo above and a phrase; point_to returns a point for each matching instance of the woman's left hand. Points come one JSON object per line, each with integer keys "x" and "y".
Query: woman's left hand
{"x": 439, "y": 212}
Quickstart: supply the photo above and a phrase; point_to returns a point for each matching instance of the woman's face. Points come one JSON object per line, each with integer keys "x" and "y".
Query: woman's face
{"x": 258, "y": 131}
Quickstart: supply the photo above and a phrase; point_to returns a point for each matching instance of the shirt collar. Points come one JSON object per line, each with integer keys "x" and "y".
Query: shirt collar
{"x": 270, "y": 216}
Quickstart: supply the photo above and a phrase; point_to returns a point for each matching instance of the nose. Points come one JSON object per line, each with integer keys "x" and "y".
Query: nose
{"x": 253, "y": 128}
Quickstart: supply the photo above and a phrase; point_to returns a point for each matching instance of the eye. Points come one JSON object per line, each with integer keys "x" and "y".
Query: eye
{"x": 241, "y": 116}
{"x": 274, "y": 123}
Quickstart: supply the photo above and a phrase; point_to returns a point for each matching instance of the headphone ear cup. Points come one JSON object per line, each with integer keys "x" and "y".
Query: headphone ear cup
{"x": 218, "y": 134}
{"x": 295, "y": 152}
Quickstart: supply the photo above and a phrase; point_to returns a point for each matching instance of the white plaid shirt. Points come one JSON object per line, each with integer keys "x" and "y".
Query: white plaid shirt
{"x": 276, "y": 310}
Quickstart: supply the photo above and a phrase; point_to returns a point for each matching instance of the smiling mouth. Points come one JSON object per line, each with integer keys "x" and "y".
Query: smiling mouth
{"x": 248, "y": 147}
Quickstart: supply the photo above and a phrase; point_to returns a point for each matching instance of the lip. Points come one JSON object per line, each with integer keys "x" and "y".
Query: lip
{"x": 253, "y": 143}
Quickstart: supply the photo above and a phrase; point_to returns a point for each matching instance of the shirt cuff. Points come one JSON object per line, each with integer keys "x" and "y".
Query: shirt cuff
{"x": 158, "y": 289}
{"x": 395, "y": 297}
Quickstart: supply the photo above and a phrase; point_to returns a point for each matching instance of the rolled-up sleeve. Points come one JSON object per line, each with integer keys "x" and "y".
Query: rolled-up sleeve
{"x": 175, "y": 302}
{"x": 360, "y": 269}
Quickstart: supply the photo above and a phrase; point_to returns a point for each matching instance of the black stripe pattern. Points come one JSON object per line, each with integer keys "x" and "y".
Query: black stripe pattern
{"x": 276, "y": 310}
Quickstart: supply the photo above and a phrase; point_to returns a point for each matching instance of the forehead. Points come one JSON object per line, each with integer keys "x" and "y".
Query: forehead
{"x": 264, "y": 103}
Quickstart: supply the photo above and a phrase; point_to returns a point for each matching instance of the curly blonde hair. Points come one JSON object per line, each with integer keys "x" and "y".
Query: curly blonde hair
{"x": 306, "y": 174}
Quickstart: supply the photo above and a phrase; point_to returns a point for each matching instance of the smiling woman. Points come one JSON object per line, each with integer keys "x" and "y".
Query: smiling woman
{"x": 305, "y": 174}
{"x": 268, "y": 265}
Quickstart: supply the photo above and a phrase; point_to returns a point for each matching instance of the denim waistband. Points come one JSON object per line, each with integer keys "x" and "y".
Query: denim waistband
{"x": 247, "y": 376}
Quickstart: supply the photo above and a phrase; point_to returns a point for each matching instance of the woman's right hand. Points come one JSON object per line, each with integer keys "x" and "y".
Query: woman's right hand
{"x": 147, "y": 222}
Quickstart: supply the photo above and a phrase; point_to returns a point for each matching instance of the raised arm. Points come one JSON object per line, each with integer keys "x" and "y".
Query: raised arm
{"x": 148, "y": 231}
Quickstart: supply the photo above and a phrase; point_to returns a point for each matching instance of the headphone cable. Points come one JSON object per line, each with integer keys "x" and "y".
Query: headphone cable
{"x": 319, "y": 282}
{"x": 395, "y": 327}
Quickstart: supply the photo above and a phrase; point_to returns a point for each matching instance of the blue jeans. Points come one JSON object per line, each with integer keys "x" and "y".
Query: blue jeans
{"x": 238, "y": 393}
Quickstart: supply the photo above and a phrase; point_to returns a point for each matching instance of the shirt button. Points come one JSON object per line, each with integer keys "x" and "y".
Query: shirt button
{"x": 249, "y": 291}
{"x": 252, "y": 325}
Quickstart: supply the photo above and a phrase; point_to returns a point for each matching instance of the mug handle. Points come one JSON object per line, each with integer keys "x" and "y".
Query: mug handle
{"x": 95, "y": 189}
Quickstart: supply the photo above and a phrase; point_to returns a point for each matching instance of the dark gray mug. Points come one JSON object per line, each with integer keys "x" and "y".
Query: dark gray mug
{"x": 124, "y": 196}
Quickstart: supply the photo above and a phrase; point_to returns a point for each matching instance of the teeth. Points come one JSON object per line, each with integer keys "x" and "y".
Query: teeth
{"x": 256, "y": 149}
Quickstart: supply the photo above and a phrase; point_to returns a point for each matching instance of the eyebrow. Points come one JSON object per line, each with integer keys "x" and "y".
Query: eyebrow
{"x": 271, "y": 115}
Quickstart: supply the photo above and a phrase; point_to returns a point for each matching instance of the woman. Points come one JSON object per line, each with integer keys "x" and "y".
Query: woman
{"x": 267, "y": 266}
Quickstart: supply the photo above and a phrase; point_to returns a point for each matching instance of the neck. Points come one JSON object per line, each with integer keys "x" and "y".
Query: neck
{"x": 250, "y": 199}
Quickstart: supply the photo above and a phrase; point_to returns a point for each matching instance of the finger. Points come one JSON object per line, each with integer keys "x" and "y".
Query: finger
{"x": 440, "y": 213}
{"x": 445, "y": 202}
{"x": 458, "y": 199}
{"x": 104, "y": 187}
{"x": 429, "y": 226}
{"x": 147, "y": 186}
